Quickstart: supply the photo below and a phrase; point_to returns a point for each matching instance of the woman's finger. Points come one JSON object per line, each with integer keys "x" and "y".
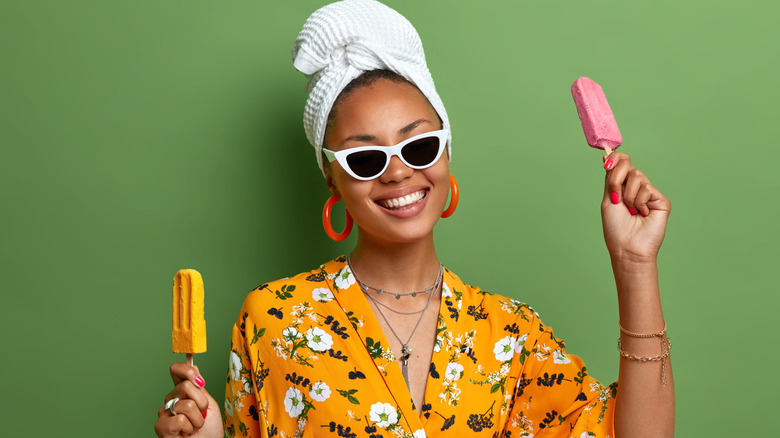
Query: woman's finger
{"x": 617, "y": 166}
{"x": 190, "y": 409}
{"x": 181, "y": 371}
{"x": 634, "y": 181}
{"x": 186, "y": 390}
{"x": 642, "y": 198}
{"x": 172, "y": 426}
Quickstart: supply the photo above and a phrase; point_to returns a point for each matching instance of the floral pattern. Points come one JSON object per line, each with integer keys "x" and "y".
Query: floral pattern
{"x": 309, "y": 358}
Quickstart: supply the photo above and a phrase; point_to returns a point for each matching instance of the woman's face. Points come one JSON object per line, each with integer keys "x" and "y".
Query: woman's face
{"x": 384, "y": 114}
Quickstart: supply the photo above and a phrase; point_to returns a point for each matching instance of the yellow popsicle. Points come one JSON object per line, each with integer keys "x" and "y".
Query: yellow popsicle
{"x": 189, "y": 324}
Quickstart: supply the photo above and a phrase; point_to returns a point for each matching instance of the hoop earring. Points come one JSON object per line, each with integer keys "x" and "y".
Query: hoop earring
{"x": 453, "y": 198}
{"x": 338, "y": 237}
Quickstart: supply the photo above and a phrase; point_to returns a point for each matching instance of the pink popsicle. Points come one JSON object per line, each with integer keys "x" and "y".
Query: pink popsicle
{"x": 597, "y": 119}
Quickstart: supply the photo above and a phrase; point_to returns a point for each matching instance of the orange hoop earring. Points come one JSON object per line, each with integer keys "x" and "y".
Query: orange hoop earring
{"x": 338, "y": 237}
{"x": 453, "y": 198}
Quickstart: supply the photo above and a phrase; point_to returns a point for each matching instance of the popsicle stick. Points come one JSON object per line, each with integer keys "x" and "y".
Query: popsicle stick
{"x": 608, "y": 151}
{"x": 189, "y": 359}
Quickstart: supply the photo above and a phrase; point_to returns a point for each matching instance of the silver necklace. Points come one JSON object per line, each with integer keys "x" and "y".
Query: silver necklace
{"x": 398, "y": 295}
{"x": 406, "y": 350}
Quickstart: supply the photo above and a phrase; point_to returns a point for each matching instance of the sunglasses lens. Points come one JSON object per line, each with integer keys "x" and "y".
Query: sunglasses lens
{"x": 421, "y": 152}
{"x": 367, "y": 164}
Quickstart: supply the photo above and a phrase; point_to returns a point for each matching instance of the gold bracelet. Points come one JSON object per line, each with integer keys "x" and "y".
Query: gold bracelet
{"x": 666, "y": 343}
{"x": 643, "y": 335}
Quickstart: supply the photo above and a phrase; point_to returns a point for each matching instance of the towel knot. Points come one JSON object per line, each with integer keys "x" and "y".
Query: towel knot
{"x": 344, "y": 39}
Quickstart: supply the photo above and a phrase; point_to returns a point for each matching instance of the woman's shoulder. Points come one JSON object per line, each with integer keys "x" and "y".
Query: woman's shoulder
{"x": 283, "y": 289}
{"x": 479, "y": 302}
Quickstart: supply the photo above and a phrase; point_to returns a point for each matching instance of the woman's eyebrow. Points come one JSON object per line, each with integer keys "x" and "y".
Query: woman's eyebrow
{"x": 403, "y": 131}
{"x": 359, "y": 137}
{"x": 410, "y": 127}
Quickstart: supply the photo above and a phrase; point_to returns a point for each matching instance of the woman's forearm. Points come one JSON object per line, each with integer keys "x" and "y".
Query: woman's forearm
{"x": 645, "y": 401}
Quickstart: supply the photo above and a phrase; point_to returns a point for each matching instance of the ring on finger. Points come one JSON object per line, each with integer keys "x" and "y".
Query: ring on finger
{"x": 170, "y": 405}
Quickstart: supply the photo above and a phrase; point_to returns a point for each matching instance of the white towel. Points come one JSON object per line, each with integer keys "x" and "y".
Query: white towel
{"x": 344, "y": 39}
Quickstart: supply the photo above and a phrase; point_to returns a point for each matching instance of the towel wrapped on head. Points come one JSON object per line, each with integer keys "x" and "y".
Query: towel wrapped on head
{"x": 341, "y": 41}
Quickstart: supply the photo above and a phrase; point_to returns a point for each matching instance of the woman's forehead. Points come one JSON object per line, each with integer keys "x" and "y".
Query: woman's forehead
{"x": 382, "y": 109}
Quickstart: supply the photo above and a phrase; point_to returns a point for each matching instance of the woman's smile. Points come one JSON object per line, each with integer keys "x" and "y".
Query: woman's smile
{"x": 402, "y": 201}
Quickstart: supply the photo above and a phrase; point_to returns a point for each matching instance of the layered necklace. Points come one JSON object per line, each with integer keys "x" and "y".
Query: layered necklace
{"x": 406, "y": 351}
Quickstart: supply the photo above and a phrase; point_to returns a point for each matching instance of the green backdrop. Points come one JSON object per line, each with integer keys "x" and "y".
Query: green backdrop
{"x": 137, "y": 138}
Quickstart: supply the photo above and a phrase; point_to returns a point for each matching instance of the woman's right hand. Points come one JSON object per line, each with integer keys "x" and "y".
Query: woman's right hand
{"x": 197, "y": 413}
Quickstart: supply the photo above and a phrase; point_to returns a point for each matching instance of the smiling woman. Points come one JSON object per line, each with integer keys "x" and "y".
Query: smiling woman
{"x": 388, "y": 113}
{"x": 385, "y": 340}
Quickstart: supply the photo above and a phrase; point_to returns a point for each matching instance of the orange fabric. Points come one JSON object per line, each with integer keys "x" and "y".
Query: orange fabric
{"x": 310, "y": 359}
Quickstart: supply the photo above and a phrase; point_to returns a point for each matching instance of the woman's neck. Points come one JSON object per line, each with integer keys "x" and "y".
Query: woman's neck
{"x": 396, "y": 267}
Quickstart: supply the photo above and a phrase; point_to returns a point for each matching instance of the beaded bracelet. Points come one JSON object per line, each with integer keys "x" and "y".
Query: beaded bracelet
{"x": 666, "y": 344}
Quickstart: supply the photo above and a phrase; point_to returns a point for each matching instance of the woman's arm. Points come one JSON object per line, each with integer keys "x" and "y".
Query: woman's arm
{"x": 634, "y": 215}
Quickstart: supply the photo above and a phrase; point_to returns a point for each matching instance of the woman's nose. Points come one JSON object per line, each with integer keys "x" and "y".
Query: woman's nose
{"x": 396, "y": 171}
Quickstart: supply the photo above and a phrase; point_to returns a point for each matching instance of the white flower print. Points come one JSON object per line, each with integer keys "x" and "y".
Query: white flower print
{"x": 235, "y": 366}
{"x": 454, "y": 371}
{"x": 279, "y": 349}
{"x": 293, "y": 402}
{"x": 322, "y": 294}
{"x": 320, "y": 391}
{"x": 247, "y": 381}
{"x": 445, "y": 293}
{"x": 344, "y": 279}
{"x": 419, "y": 433}
{"x": 504, "y": 348}
{"x": 228, "y": 407}
{"x": 318, "y": 339}
{"x": 238, "y": 404}
{"x": 290, "y": 334}
{"x": 520, "y": 343}
{"x": 542, "y": 353}
{"x": 383, "y": 414}
{"x": 559, "y": 357}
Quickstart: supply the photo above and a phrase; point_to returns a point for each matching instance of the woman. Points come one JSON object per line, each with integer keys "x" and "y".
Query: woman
{"x": 387, "y": 342}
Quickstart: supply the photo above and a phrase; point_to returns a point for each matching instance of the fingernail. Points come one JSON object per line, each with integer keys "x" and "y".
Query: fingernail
{"x": 199, "y": 380}
{"x": 642, "y": 213}
{"x": 608, "y": 164}
{"x": 631, "y": 210}
{"x": 614, "y": 198}
{"x": 205, "y": 413}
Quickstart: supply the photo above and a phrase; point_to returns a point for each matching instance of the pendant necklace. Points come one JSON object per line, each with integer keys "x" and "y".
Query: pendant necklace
{"x": 406, "y": 351}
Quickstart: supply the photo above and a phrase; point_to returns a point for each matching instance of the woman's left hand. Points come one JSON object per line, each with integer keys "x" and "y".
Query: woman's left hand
{"x": 633, "y": 212}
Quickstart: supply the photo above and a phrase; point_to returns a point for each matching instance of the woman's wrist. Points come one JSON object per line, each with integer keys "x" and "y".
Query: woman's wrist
{"x": 628, "y": 264}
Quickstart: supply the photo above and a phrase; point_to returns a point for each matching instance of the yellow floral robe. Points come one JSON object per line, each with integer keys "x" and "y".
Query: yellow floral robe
{"x": 310, "y": 359}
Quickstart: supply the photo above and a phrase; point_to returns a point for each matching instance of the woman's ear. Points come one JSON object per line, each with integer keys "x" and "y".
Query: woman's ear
{"x": 329, "y": 179}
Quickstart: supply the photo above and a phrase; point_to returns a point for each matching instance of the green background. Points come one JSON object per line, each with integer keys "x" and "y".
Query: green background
{"x": 137, "y": 138}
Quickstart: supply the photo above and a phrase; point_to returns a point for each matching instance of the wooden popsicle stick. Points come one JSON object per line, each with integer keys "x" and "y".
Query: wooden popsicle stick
{"x": 189, "y": 359}
{"x": 608, "y": 151}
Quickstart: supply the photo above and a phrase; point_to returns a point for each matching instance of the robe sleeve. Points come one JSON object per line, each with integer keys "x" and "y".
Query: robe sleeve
{"x": 554, "y": 395}
{"x": 244, "y": 417}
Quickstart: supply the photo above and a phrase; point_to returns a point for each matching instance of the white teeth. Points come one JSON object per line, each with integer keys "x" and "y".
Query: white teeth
{"x": 403, "y": 201}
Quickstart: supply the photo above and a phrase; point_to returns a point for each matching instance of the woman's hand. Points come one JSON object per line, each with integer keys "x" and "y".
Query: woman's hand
{"x": 633, "y": 213}
{"x": 197, "y": 413}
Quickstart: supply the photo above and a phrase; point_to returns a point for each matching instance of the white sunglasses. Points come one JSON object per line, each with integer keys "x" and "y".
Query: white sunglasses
{"x": 368, "y": 162}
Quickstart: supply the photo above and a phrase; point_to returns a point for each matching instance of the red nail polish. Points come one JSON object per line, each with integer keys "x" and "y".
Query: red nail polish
{"x": 199, "y": 380}
{"x": 632, "y": 211}
{"x": 614, "y": 198}
{"x": 642, "y": 213}
{"x": 608, "y": 164}
{"x": 205, "y": 413}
